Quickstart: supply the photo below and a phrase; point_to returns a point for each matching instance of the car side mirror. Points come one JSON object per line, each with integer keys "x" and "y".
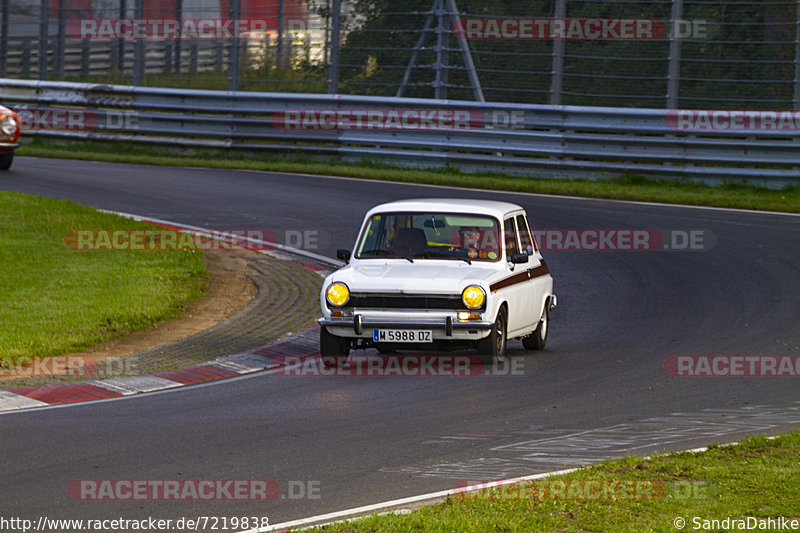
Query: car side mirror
{"x": 519, "y": 258}
{"x": 343, "y": 254}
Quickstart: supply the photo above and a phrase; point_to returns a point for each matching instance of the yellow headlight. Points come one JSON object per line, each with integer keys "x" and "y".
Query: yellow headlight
{"x": 337, "y": 294}
{"x": 473, "y": 297}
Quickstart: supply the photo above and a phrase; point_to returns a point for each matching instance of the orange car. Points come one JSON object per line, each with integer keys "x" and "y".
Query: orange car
{"x": 10, "y": 127}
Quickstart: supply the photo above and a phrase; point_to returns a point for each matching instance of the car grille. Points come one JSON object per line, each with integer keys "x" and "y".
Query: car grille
{"x": 398, "y": 301}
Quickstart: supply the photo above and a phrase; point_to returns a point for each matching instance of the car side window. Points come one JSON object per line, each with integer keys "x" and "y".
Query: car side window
{"x": 510, "y": 237}
{"x": 528, "y": 246}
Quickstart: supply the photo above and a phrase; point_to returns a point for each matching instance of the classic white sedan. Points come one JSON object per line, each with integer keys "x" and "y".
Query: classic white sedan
{"x": 438, "y": 274}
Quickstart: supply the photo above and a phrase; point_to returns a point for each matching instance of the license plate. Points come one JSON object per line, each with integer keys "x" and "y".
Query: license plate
{"x": 402, "y": 335}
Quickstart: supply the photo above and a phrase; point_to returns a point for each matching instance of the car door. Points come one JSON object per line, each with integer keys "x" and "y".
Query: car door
{"x": 536, "y": 288}
{"x": 515, "y": 285}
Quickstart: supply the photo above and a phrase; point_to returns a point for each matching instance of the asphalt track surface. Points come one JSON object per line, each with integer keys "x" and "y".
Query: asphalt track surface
{"x": 599, "y": 389}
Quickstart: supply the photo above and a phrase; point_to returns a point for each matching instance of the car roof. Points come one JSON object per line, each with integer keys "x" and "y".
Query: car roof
{"x": 488, "y": 207}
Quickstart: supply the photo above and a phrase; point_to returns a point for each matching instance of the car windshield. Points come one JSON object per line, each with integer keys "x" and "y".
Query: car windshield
{"x": 457, "y": 236}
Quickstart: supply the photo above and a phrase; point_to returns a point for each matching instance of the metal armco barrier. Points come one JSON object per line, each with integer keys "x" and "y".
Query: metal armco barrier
{"x": 531, "y": 140}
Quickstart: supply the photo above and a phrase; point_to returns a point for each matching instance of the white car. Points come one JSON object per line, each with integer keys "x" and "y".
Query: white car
{"x": 438, "y": 274}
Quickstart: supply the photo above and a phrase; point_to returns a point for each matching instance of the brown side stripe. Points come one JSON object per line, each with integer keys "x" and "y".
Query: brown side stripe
{"x": 522, "y": 277}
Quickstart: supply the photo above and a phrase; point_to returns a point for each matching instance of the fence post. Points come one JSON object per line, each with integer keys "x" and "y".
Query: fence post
{"x": 557, "y": 80}
{"x": 797, "y": 59}
{"x": 4, "y": 37}
{"x": 62, "y": 38}
{"x": 44, "y": 27}
{"x": 123, "y": 13}
{"x": 138, "y": 51}
{"x": 674, "y": 67}
{"x": 280, "y": 60}
{"x": 440, "y": 89}
{"x": 26, "y": 58}
{"x": 233, "y": 49}
{"x": 336, "y": 40}
{"x": 85, "y": 57}
{"x": 177, "y": 47}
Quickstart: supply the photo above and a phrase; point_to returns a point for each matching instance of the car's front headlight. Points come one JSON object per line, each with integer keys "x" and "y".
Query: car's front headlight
{"x": 337, "y": 294}
{"x": 9, "y": 126}
{"x": 473, "y": 297}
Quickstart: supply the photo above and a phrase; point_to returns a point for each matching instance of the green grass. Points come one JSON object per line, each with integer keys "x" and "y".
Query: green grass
{"x": 629, "y": 187}
{"x": 55, "y": 300}
{"x": 758, "y": 478}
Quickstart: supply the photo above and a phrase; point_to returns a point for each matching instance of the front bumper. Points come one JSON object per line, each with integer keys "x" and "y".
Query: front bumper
{"x": 8, "y": 147}
{"x": 357, "y": 326}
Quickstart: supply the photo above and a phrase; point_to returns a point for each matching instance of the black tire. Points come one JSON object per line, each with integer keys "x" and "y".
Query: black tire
{"x": 5, "y": 160}
{"x": 538, "y": 339}
{"x": 492, "y": 348}
{"x": 332, "y": 349}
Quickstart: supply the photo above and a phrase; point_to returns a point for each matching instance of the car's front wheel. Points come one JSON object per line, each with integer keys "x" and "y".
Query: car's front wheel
{"x": 538, "y": 339}
{"x": 492, "y": 348}
{"x": 332, "y": 349}
{"x": 5, "y": 160}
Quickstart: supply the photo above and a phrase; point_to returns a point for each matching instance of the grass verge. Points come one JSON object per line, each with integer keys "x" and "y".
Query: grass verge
{"x": 756, "y": 480}
{"x": 631, "y": 187}
{"x": 55, "y": 300}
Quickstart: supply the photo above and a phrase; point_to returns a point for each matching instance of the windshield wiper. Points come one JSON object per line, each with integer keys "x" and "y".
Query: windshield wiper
{"x": 426, "y": 255}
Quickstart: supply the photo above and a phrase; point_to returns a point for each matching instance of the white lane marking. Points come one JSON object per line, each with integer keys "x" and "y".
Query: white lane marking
{"x": 205, "y": 232}
{"x": 169, "y": 390}
{"x": 481, "y": 191}
{"x": 357, "y": 513}
{"x": 386, "y": 506}
{"x": 536, "y": 194}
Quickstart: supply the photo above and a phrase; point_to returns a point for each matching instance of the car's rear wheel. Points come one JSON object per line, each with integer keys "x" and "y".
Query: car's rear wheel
{"x": 5, "y": 160}
{"x": 538, "y": 339}
{"x": 492, "y": 348}
{"x": 332, "y": 349}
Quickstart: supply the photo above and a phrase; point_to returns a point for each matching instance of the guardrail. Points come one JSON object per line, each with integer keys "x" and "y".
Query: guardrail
{"x": 533, "y": 140}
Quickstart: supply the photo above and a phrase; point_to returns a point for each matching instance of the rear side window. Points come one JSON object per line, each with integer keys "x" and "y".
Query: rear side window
{"x": 510, "y": 237}
{"x": 525, "y": 238}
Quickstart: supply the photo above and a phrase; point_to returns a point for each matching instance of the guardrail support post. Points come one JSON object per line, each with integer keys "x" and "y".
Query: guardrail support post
{"x": 336, "y": 40}
{"x": 674, "y": 67}
{"x": 44, "y": 26}
{"x": 557, "y": 80}
{"x": 139, "y": 51}
{"x": 233, "y": 48}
